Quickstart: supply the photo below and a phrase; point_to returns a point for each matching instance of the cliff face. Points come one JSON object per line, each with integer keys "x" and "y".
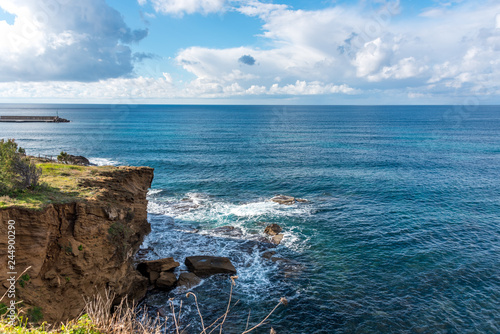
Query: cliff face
{"x": 78, "y": 249}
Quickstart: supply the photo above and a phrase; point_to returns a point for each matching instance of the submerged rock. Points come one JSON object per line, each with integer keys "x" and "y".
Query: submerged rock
{"x": 273, "y": 229}
{"x": 161, "y": 312}
{"x": 268, "y": 255}
{"x": 209, "y": 265}
{"x": 229, "y": 230}
{"x": 187, "y": 281}
{"x": 288, "y": 267}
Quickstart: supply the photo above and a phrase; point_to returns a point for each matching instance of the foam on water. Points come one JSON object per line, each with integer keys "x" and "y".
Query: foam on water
{"x": 103, "y": 162}
{"x": 401, "y": 234}
{"x": 185, "y": 225}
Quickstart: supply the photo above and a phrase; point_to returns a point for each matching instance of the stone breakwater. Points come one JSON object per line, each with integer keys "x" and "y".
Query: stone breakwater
{"x": 79, "y": 249}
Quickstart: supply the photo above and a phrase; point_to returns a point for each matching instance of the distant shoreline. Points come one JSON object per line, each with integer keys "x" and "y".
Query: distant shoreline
{"x": 43, "y": 119}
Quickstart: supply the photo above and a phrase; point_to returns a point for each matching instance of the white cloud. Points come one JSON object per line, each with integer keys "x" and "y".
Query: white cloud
{"x": 168, "y": 77}
{"x": 341, "y": 50}
{"x": 450, "y": 47}
{"x": 370, "y": 58}
{"x": 64, "y": 40}
{"x": 181, "y": 7}
{"x": 310, "y": 88}
{"x": 404, "y": 69}
{"x": 136, "y": 90}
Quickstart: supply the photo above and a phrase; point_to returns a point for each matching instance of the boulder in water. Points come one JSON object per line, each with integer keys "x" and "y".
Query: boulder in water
{"x": 282, "y": 199}
{"x": 287, "y": 200}
{"x": 187, "y": 281}
{"x": 154, "y": 269}
{"x": 166, "y": 281}
{"x": 273, "y": 229}
{"x": 209, "y": 265}
{"x": 277, "y": 239}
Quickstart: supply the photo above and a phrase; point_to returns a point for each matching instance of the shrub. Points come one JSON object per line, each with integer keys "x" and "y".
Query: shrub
{"x": 8, "y": 152}
{"x": 63, "y": 157}
{"x": 28, "y": 174}
{"x": 17, "y": 172}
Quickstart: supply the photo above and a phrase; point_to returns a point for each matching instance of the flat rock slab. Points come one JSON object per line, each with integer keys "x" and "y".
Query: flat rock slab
{"x": 209, "y": 265}
{"x": 282, "y": 199}
{"x": 153, "y": 269}
{"x": 287, "y": 200}
{"x": 187, "y": 281}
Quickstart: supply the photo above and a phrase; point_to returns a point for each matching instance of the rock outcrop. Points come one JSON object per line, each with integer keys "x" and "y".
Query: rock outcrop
{"x": 287, "y": 200}
{"x": 209, "y": 265}
{"x": 79, "y": 249}
{"x": 78, "y": 160}
{"x": 273, "y": 229}
{"x": 166, "y": 281}
{"x": 153, "y": 269}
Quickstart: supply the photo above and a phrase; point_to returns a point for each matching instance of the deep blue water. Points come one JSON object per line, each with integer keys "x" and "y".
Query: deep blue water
{"x": 401, "y": 233}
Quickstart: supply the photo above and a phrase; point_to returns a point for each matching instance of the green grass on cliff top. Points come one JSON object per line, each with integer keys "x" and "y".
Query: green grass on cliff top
{"x": 81, "y": 326}
{"x": 59, "y": 183}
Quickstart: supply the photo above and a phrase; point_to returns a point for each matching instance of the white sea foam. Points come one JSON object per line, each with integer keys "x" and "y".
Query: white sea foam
{"x": 184, "y": 226}
{"x": 152, "y": 192}
{"x": 103, "y": 162}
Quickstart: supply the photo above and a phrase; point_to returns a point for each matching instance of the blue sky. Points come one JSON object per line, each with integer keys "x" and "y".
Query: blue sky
{"x": 250, "y": 51}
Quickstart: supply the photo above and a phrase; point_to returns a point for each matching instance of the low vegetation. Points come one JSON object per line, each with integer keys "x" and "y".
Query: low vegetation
{"x": 17, "y": 172}
{"x": 101, "y": 318}
{"x": 33, "y": 183}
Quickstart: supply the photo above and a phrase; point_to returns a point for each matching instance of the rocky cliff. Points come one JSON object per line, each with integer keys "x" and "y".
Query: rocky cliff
{"x": 80, "y": 248}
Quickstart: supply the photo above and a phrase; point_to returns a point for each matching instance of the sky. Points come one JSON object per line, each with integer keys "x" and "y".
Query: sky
{"x": 250, "y": 51}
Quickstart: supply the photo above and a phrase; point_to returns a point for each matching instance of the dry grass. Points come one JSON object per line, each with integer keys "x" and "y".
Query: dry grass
{"x": 100, "y": 317}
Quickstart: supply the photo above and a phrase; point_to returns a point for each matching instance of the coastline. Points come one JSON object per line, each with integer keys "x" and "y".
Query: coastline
{"x": 84, "y": 247}
{"x": 382, "y": 225}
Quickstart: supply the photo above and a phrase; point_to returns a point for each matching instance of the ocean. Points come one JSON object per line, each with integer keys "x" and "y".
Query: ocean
{"x": 400, "y": 234}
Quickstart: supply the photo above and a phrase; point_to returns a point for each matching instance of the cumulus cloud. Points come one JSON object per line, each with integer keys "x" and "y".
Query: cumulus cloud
{"x": 65, "y": 40}
{"x": 181, "y": 7}
{"x": 341, "y": 50}
{"x": 446, "y": 47}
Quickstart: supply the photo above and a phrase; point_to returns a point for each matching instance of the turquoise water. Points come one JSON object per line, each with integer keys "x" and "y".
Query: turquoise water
{"x": 401, "y": 233}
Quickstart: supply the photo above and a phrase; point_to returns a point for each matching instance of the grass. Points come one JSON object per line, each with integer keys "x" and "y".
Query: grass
{"x": 60, "y": 184}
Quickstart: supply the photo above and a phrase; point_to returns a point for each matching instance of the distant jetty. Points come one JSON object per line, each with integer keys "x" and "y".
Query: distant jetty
{"x": 47, "y": 119}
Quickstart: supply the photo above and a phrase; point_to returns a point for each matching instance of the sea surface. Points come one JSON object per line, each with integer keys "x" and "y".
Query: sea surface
{"x": 400, "y": 234}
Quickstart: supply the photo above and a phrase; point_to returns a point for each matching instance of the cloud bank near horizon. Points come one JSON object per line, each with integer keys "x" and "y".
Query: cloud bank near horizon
{"x": 339, "y": 51}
